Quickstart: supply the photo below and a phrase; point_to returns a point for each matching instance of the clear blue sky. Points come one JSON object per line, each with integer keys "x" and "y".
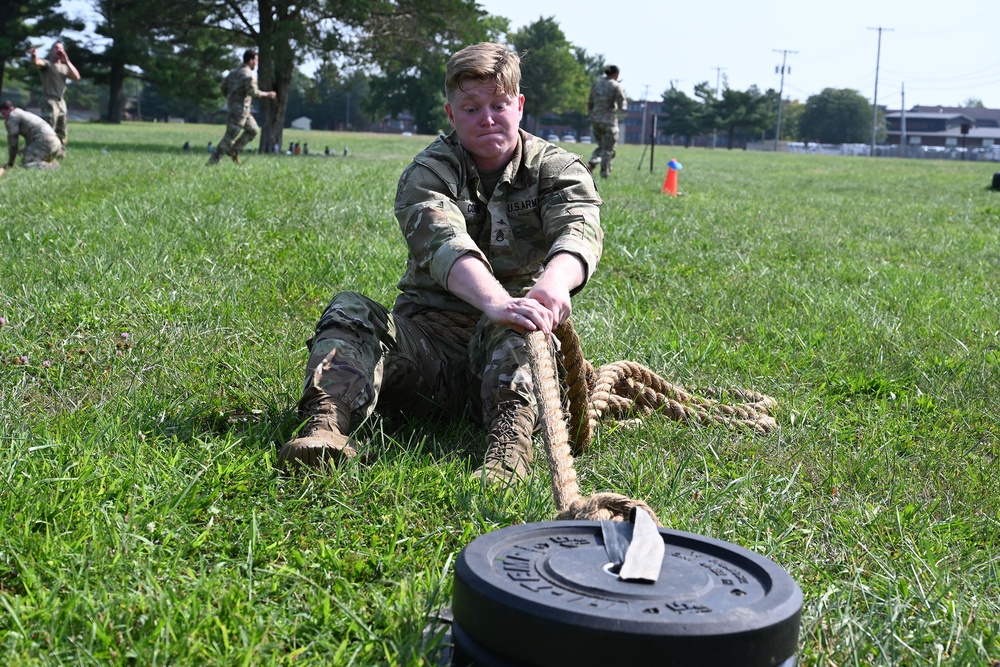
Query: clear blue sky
{"x": 942, "y": 53}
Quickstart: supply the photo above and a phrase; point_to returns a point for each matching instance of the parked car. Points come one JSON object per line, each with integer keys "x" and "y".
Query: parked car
{"x": 585, "y": 139}
{"x": 569, "y": 139}
{"x": 552, "y": 137}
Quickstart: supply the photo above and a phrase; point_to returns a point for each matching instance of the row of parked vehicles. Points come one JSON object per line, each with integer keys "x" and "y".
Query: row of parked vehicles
{"x": 568, "y": 139}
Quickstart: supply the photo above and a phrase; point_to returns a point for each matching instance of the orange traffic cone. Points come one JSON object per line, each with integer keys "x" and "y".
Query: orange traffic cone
{"x": 670, "y": 182}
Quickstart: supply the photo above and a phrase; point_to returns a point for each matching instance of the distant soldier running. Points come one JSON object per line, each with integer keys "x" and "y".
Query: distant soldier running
{"x": 54, "y": 72}
{"x": 240, "y": 88}
{"x": 607, "y": 98}
{"x": 41, "y": 145}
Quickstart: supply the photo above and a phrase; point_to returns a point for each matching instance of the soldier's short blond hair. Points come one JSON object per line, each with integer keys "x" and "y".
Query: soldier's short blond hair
{"x": 485, "y": 62}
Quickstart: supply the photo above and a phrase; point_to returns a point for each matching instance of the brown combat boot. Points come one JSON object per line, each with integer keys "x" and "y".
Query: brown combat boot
{"x": 233, "y": 154}
{"x": 323, "y": 441}
{"x": 509, "y": 447}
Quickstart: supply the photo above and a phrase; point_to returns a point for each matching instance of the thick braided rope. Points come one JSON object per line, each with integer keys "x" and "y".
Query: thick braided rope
{"x": 565, "y": 490}
{"x": 625, "y": 389}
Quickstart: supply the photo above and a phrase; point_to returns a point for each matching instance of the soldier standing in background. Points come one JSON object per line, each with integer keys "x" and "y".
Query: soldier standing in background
{"x": 607, "y": 98}
{"x": 502, "y": 228}
{"x": 41, "y": 145}
{"x": 54, "y": 73}
{"x": 240, "y": 88}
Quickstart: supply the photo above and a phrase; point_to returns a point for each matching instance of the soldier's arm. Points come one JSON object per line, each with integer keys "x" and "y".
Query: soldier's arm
{"x": 432, "y": 223}
{"x": 257, "y": 92}
{"x": 563, "y": 275}
{"x": 74, "y": 73}
{"x": 11, "y": 150}
{"x": 570, "y": 210}
{"x": 472, "y": 282}
{"x": 434, "y": 227}
{"x": 35, "y": 60}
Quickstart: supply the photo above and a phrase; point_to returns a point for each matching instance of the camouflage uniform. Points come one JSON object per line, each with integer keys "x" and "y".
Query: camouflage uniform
{"x": 240, "y": 88}
{"x": 41, "y": 145}
{"x": 607, "y": 98}
{"x": 54, "y": 77}
{"x": 364, "y": 356}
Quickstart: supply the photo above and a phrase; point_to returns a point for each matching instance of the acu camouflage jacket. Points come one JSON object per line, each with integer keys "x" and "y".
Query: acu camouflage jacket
{"x": 240, "y": 88}
{"x": 545, "y": 203}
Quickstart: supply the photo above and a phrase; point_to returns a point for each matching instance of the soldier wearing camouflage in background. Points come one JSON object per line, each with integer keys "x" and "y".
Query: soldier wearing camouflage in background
{"x": 41, "y": 145}
{"x": 607, "y": 98}
{"x": 240, "y": 89}
{"x": 54, "y": 71}
{"x": 502, "y": 227}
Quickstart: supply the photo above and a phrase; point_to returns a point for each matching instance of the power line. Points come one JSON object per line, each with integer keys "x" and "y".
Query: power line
{"x": 878, "y": 57}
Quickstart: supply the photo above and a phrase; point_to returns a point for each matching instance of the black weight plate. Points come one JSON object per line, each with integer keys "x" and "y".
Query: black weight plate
{"x": 543, "y": 594}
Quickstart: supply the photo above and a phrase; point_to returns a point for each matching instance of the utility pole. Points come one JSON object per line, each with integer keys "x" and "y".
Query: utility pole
{"x": 902, "y": 120}
{"x": 781, "y": 92}
{"x": 645, "y": 107}
{"x": 878, "y": 57}
{"x": 718, "y": 75}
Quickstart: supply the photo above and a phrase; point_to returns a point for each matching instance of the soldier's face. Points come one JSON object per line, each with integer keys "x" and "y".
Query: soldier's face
{"x": 486, "y": 121}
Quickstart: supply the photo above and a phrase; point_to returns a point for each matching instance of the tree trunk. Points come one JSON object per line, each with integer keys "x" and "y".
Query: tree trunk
{"x": 116, "y": 88}
{"x": 273, "y": 112}
{"x": 275, "y": 70}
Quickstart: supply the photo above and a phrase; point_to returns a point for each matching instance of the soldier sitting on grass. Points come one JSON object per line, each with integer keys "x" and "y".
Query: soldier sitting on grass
{"x": 502, "y": 228}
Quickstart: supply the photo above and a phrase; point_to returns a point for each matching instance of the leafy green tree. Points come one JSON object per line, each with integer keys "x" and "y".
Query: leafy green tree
{"x": 708, "y": 117}
{"x": 791, "y": 117}
{"x": 332, "y": 99}
{"x": 594, "y": 67}
{"x": 413, "y": 79}
{"x": 552, "y": 79}
{"x": 418, "y": 89}
{"x": 745, "y": 111}
{"x": 372, "y": 32}
{"x": 168, "y": 45}
{"x": 21, "y": 19}
{"x": 837, "y": 116}
{"x": 680, "y": 116}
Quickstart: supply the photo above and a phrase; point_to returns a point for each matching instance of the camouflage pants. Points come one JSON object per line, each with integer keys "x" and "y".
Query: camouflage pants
{"x": 54, "y": 111}
{"x": 368, "y": 358}
{"x": 41, "y": 154}
{"x": 606, "y": 137}
{"x": 229, "y": 143}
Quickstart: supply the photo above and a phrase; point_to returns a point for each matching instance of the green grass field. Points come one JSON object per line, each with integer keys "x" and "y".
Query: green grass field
{"x": 155, "y": 313}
